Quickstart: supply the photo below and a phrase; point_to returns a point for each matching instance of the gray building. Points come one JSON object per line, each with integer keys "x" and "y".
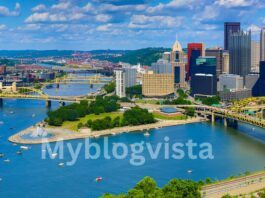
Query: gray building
{"x": 162, "y": 67}
{"x": 230, "y": 82}
{"x": 262, "y": 44}
{"x": 235, "y": 95}
{"x": 130, "y": 77}
{"x": 250, "y": 80}
{"x": 239, "y": 47}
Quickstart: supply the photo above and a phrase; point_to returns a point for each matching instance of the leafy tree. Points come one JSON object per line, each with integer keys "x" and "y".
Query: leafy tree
{"x": 211, "y": 100}
{"x": 109, "y": 88}
{"x": 190, "y": 112}
{"x": 134, "y": 90}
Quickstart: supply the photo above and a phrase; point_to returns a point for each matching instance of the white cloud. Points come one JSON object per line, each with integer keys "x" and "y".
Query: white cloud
{"x": 254, "y": 28}
{"x": 3, "y": 27}
{"x": 235, "y": 3}
{"x": 104, "y": 28}
{"x": 38, "y": 17}
{"x": 103, "y": 18}
{"x": 143, "y": 21}
{"x": 62, "y": 6}
{"x": 4, "y": 11}
{"x": 39, "y": 8}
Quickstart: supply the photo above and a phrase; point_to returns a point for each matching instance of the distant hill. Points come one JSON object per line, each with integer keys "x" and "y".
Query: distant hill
{"x": 145, "y": 56}
{"x": 34, "y": 53}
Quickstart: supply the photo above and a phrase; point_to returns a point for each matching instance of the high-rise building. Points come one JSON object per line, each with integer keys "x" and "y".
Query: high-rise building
{"x": 191, "y": 47}
{"x": 259, "y": 87}
{"x": 162, "y": 67}
{"x": 203, "y": 85}
{"x": 204, "y": 65}
{"x": 255, "y": 56}
{"x": 240, "y": 53}
{"x": 251, "y": 80}
{"x": 230, "y": 27}
{"x": 178, "y": 65}
{"x": 262, "y": 44}
{"x": 120, "y": 83}
{"x": 130, "y": 77}
{"x": 158, "y": 85}
{"x": 2, "y": 69}
{"x": 229, "y": 82}
{"x": 222, "y": 60}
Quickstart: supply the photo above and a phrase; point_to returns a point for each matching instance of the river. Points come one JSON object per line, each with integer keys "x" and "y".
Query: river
{"x": 28, "y": 175}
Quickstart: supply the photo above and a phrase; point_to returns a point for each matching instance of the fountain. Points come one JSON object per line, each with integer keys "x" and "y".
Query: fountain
{"x": 39, "y": 132}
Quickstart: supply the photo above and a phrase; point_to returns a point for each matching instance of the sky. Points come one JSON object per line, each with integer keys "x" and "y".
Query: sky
{"x": 122, "y": 24}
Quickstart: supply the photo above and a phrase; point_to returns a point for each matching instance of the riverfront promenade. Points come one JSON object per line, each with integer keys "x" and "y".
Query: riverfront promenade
{"x": 60, "y": 134}
{"x": 240, "y": 186}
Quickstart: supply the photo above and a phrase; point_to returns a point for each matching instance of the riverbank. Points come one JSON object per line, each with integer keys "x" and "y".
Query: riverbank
{"x": 61, "y": 134}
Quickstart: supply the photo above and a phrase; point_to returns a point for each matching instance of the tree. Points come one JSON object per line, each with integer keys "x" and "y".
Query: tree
{"x": 109, "y": 88}
{"x": 190, "y": 111}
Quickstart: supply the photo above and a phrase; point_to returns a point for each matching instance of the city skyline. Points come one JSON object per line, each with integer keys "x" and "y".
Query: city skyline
{"x": 117, "y": 24}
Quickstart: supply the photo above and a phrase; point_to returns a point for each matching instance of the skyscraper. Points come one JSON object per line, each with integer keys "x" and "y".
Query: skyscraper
{"x": 240, "y": 53}
{"x": 191, "y": 47}
{"x": 255, "y": 56}
{"x": 120, "y": 83}
{"x": 222, "y": 60}
{"x": 259, "y": 87}
{"x": 178, "y": 65}
{"x": 262, "y": 44}
{"x": 230, "y": 27}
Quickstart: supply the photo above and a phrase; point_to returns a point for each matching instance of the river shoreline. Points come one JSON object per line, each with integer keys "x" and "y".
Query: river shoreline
{"x": 61, "y": 134}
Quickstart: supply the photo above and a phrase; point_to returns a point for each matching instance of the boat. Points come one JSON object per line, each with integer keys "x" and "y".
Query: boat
{"x": 19, "y": 152}
{"x": 24, "y": 147}
{"x": 2, "y": 154}
{"x": 11, "y": 112}
{"x": 146, "y": 134}
{"x": 98, "y": 179}
{"x": 61, "y": 164}
{"x": 33, "y": 115}
{"x": 54, "y": 155}
{"x": 189, "y": 171}
{"x": 7, "y": 161}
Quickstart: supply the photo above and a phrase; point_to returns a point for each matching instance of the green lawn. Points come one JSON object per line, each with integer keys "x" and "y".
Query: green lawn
{"x": 162, "y": 117}
{"x": 72, "y": 125}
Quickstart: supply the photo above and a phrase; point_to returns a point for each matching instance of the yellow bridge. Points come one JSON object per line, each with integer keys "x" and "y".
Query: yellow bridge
{"x": 225, "y": 114}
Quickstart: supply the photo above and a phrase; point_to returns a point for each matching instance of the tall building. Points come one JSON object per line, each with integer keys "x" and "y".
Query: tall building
{"x": 262, "y": 44}
{"x": 178, "y": 65}
{"x": 240, "y": 53}
{"x": 130, "y": 77}
{"x": 259, "y": 87}
{"x": 120, "y": 83}
{"x": 204, "y": 65}
{"x": 222, "y": 60}
{"x": 162, "y": 66}
{"x": 251, "y": 80}
{"x": 191, "y": 47}
{"x": 230, "y": 27}
{"x": 255, "y": 56}
{"x": 158, "y": 85}
{"x": 203, "y": 85}
{"x": 230, "y": 82}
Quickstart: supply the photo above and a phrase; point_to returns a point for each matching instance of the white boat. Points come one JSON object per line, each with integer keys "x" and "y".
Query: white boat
{"x": 33, "y": 115}
{"x": 7, "y": 160}
{"x": 146, "y": 134}
{"x": 54, "y": 155}
{"x": 189, "y": 171}
{"x": 24, "y": 147}
{"x": 61, "y": 164}
{"x": 2, "y": 154}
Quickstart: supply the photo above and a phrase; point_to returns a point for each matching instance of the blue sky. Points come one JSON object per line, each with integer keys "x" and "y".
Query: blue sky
{"x": 122, "y": 24}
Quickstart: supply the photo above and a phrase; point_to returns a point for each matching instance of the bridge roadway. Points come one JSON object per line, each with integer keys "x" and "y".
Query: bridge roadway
{"x": 225, "y": 114}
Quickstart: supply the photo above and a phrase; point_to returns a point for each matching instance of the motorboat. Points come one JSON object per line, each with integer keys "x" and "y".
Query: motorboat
{"x": 54, "y": 155}
{"x": 7, "y": 160}
{"x": 2, "y": 155}
{"x": 33, "y": 115}
{"x": 19, "y": 152}
{"x": 98, "y": 179}
{"x": 61, "y": 164}
{"x": 189, "y": 171}
{"x": 147, "y": 134}
{"x": 24, "y": 147}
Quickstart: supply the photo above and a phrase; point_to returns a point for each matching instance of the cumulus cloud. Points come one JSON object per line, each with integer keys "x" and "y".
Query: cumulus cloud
{"x": 144, "y": 21}
{"x": 3, "y": 27}
{"x": 235, "y": 3}
{"x": 103, "y": 18}
{"x": 4, "y": 11}
{"x": 104, "y": 28}
{"x": 39, "y": 8}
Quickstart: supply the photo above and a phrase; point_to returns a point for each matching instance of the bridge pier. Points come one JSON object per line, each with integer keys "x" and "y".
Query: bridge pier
{"x": 213, "y": 117}
{"x": 48, "y": 104}
{"x": 62, "y": 104}
{"x": 91, "y": 86}
{"x": 57, "y": 85}
{"x": 1, "y": 102}
{"x": 225, "y": 122}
